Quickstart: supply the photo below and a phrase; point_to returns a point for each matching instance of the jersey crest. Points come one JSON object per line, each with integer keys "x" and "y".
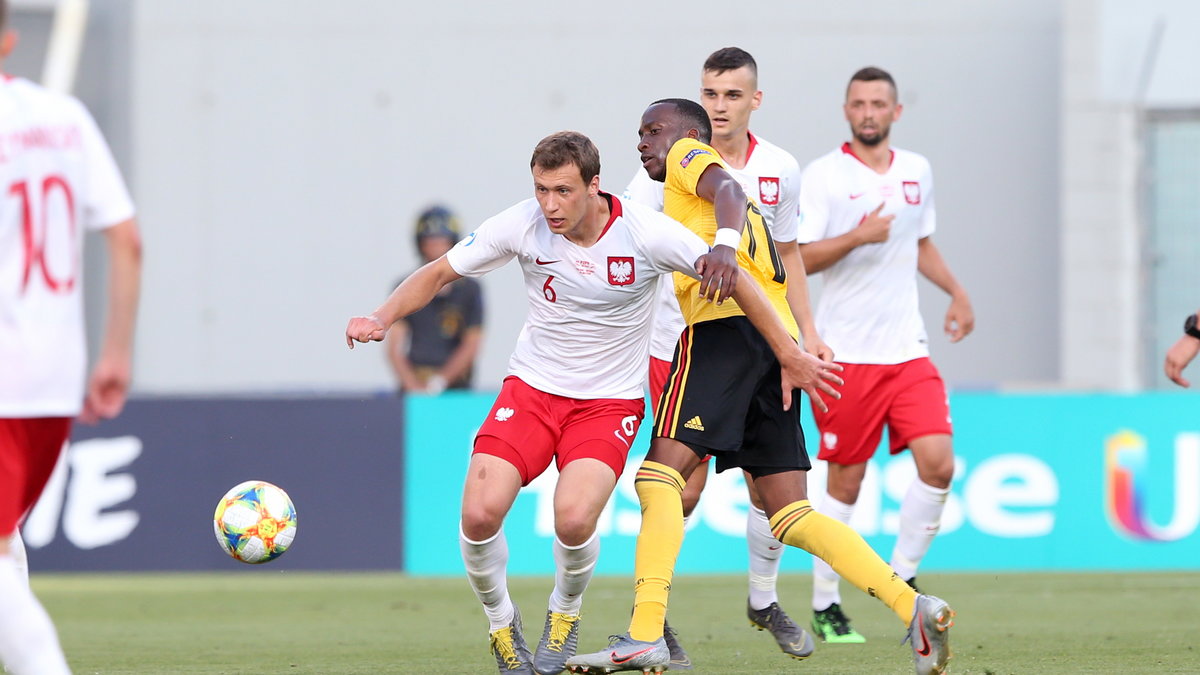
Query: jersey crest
{"x": 620, "y": 270}
{"x": 912, "y": 192}
{"x": 768, "y": 191}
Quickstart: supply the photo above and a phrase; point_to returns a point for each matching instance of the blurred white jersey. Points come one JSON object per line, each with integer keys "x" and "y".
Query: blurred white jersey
{"x": 868, "y": 309}
{"x": 771, "y": 178}
{"x": 587, "y": 332}
{"x": 57, "y": 180}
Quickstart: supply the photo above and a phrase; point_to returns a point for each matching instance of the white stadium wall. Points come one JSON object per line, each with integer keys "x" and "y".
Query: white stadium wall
{"x": 1122, "y": 63}
{"x": 281, "y": 151}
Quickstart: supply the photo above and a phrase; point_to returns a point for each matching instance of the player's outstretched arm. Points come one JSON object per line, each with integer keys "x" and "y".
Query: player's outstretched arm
{"x": 800, "y": 370}
{"x": 720, "y": 276}
{"x": 960, "y": 317}
{"x": 108, "y": 385}
{"x": 412, "y": 294}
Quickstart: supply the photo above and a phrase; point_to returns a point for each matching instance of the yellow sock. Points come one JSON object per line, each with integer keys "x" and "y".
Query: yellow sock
{"x": 660, "y": 491}
{"x": 797, "y": 524}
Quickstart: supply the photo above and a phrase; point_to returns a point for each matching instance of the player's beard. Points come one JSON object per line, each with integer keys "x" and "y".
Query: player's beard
{"x": 873, "y": 140}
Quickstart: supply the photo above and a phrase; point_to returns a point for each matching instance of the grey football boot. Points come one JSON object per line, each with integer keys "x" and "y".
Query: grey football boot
{"x": 558, "y": 643}
{"x": 792, "y": 639}
{"x": 624, "y": 653}
{"x": 929, "y": 633}
{"x": 509, "y": 648}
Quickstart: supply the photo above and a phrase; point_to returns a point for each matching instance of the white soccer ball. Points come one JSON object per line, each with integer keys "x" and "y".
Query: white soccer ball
{"x": 255, "y": 522}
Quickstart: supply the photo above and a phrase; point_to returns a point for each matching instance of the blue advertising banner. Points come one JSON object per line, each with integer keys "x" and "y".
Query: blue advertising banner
{"x": 1042, "y": 482}
{"x": 138, "y": 492}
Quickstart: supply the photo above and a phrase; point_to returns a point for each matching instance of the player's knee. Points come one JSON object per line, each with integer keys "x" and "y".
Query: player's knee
{"x": 845, "y": 491}
{"x": 480, "y": 522}
{"x": 939, "y": 473}
{"x": 574, "y": 526}
{"x": 690, "y": 501}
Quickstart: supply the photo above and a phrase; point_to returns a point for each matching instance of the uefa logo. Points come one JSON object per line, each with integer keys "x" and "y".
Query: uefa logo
{"x": 1128, "y": 491}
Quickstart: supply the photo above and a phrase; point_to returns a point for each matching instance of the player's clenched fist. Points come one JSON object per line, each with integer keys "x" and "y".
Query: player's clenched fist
{"x": 874, "y": 228}
{"x": 365, "y": 329}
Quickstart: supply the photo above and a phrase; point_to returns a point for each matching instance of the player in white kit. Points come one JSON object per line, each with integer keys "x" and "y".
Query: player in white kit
{"x": 770, "y": 176}
{"x": 573, "y": 394}
{"x": 867, "y": 217}
{"x": 58, "y": 181}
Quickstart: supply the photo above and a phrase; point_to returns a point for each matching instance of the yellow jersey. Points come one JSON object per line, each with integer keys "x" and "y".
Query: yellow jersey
{"x": 756, "y": 254}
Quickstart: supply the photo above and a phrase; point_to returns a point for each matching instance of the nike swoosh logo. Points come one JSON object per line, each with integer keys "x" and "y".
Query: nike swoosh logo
{"x": 925, "y": 648}
{"x": 539, "y": 261}
{"x": 624, "y": 659}
{"x": 857, "y": 195}
{"x": 621, "y": 438}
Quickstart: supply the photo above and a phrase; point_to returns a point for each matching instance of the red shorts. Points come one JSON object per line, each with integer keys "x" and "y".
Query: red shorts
{"x": 659, "y": 372}
{"x": 29, "y": 449}
{"x": 528, "y": 428}
{"x": 909, "y": 397}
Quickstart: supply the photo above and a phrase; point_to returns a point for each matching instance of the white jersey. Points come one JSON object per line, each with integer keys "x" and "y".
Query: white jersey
{"x": 868, "y": 308}
{"x": 587, "y": 334}
{"x": 771, "y": 178}
{"x": 57, "y": 180}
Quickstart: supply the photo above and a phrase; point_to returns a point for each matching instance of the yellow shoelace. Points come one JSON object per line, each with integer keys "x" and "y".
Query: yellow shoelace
{"x": 502, "y": 644}
{"x": 560, "y": 630}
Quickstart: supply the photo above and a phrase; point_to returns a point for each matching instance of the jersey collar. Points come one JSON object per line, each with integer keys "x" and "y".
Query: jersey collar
{"x": 847, "y": 149}
{"x": 614, "y": 211}
{"x": 750, "y": 150}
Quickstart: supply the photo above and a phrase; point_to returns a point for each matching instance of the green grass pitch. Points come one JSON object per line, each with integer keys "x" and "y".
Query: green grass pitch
{"x": 268, "y": 621}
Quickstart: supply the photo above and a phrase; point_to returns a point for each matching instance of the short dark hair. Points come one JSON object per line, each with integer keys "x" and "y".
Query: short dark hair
{"x": 873, "y": 74}
{"x": 692, "y": 113}
{"x": 730, "y": 58}
{"x": 567, "y": 147}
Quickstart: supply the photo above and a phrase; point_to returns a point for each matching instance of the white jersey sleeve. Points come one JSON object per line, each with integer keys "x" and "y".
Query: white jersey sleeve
{"x": 813, "y": 219}
{"x": 106, "y": 200}
{"x": 644, "y": 190}
{"x": 494, "y": 243}
{"x": 787, "y": 213}
{"x": 672, "y": 247}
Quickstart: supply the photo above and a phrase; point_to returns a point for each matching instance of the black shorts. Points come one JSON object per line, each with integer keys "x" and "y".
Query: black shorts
{"x": 723, "y": 398}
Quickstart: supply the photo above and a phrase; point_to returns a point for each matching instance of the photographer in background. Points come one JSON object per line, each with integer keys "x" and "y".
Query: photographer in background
{"x": 434, "y": 349}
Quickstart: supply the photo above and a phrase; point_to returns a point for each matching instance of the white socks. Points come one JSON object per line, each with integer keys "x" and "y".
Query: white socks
{"x": 487, "y": 571}
{"x": 573, "y": 567}
{"x": 920, "y": 518}
{"x": 16, "y": 548}
{"x": 825, "y": 580}
{"x": 28, "y": 642}
{"x": 765, "y": 552}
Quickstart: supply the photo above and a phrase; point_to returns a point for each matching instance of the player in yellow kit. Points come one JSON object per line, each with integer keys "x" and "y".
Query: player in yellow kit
{"x": 723, "y": 398}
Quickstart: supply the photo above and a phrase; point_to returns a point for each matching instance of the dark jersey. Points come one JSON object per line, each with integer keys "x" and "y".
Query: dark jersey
{"x": 437, "y": 329}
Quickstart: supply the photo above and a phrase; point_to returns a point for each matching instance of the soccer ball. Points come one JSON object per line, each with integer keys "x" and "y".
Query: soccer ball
{"x": 255, "y": 522}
